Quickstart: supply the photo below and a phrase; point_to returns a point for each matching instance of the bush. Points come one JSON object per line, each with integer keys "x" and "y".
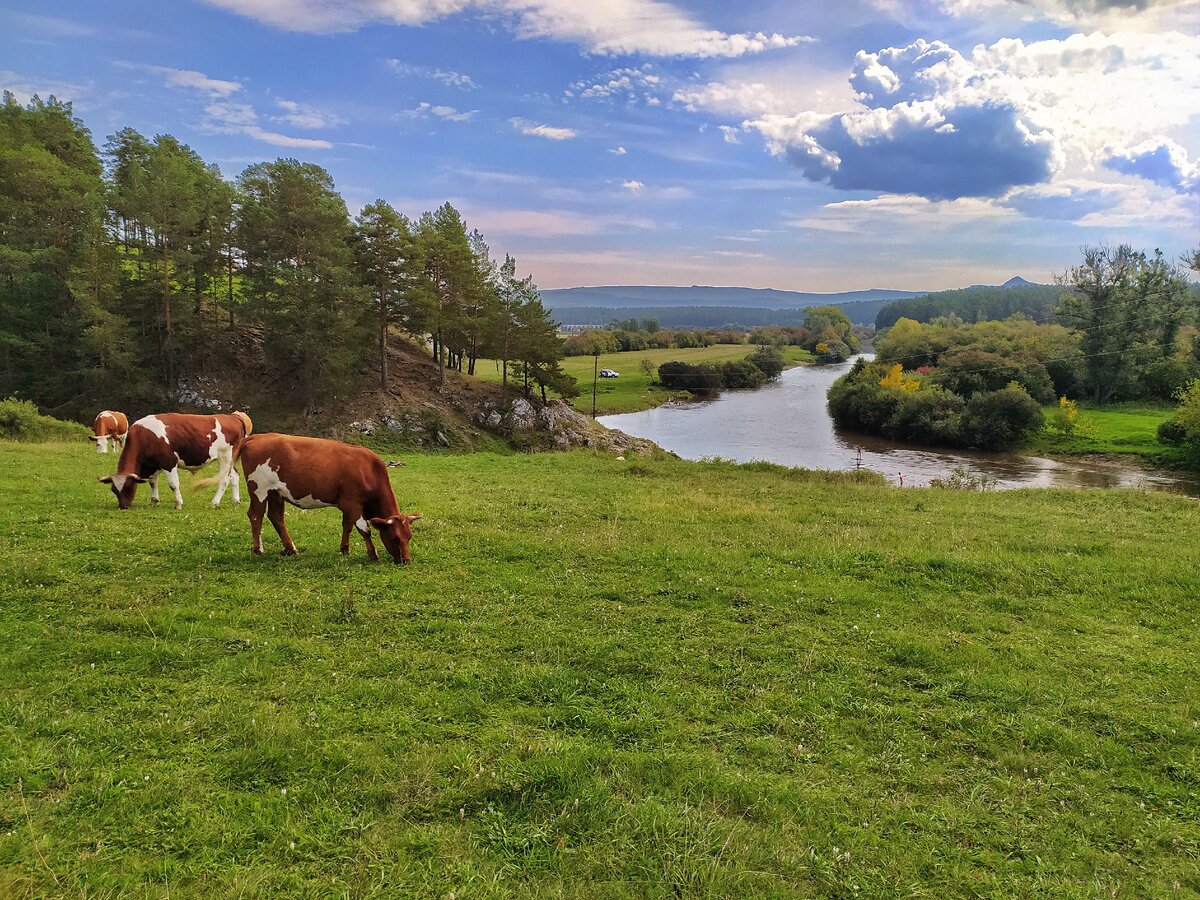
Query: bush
{"x": 1171, "y": 432}
{"x": 931, "y": 416}
{"x": 1165, "y": 378}
{"x": 21, "y": 421}
{"x": 742, "y": 373}
{"x": 832, "y": 352}
{"x": 699, "y": 379}
{"x": 1001, "y": 419}
{"x": 769, "y": 361}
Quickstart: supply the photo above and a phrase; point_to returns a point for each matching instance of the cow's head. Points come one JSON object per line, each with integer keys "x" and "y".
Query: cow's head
{"x": 396, "y": 532}
{"x": 124, "y": 486}
{"x": 101, "y": 442}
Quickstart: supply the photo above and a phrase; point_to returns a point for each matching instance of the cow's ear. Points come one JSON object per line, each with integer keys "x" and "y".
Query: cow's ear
{"x": 137, "y": 479}
{"x": 105, "y": 479}
{"x": 379, "y": 523}
{"x": 413, "y": 517}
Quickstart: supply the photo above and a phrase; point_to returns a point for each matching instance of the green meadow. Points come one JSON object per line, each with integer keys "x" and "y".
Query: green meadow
{"x": 600, "y": 678}
{"x": 634, "y": 389}
{"x": 1116, "y": 428}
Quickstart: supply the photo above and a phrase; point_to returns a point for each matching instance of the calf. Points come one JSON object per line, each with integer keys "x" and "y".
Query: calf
{"x": 110, "y": 425}
{"x": 165, "y": 441}
{"x": 310, "y": 473}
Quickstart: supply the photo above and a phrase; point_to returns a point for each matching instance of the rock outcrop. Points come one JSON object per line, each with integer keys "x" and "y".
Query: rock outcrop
{"x": 559, "y": 426}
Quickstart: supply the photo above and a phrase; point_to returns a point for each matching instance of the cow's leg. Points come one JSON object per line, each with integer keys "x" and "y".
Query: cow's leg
{"x": 275, "y": 514}
{"x": 347, "y": 526}
{"x": 225, "y": 464}
{"x": 364, "y": 528}
{"x": 153, "y": 479}
{"x": 255, "y": 515}
{"x": 173, "y": 484}
{"x": 235, "y": 483}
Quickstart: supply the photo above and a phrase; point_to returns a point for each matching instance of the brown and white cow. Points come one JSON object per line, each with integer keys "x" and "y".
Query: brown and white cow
{"x": 110, "y": 425}
{"x": 313, "y": 472}
{"x": 165, "y": 441}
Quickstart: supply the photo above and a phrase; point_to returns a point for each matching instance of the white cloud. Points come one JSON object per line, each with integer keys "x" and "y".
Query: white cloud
{"x": 619, "y": 151}
{"x": 547, "y": 223}
{"x": 303, "y": 116}
{"x": 928, "y": 119}
{"x": 1091, "y": 14}
{"x": 23, "y": 88}
{"x": 188, "y": 78}
{"x": 284, "y": 140}
{"x": 651, "y": 27}
{"x": 550, "y": 132}
{"x": 227, "y": 117}
{"x": 632, "y": 84}
{"x": 730, "y": 134}
{"x": 449, "y": 113}
{"x": 901, "y": 214}
{"x": 634, "y": 186}
{"x": 445, "y": 76}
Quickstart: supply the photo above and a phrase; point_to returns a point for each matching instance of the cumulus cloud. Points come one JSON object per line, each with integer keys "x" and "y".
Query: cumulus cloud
{"x": 1165, "y": 163}
{"x": 652, "y": 27}
{"x": 631, "y": 84}
{"x": 1080, "y": 13}
{"x": 549, "y": 132}
{"x": 634, "y": 186}
{"x": 618, "y": 151}
{"x": 930, "y": 121}
{"x": 425, "y": 110}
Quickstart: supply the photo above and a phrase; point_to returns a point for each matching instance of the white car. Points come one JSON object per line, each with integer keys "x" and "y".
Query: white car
{"x": 609, "y": 373}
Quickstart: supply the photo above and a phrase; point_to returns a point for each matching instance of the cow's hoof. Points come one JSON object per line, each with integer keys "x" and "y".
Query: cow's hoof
{"x": 289, "y": 551}
{"x": 257, "y": 551}
{"x": 179, "y": 506}
{"x": 154, "y": 501}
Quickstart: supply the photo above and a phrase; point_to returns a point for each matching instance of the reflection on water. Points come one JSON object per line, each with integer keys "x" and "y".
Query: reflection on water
{"x": 786, "y": 422}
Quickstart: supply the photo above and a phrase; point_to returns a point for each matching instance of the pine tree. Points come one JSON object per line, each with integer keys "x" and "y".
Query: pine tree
{"x": 385, "y": 253}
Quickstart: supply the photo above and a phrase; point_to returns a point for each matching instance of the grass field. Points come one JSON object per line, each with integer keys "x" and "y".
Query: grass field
{"x": 1116, "y": 428}
{"x": 633, "y": 390}
{"x": 600, "y": 678}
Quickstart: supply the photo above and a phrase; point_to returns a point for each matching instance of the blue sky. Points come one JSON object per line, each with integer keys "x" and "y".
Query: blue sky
{"x": 766, "y": 143}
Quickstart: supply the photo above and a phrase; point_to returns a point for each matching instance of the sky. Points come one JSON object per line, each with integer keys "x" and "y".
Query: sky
{"x": 798, "y": 145}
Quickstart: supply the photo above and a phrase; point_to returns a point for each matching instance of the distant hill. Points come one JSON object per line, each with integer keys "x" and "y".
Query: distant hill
{"x": 643, "y": 296}
{"x": 860, "y": 313}
{"x": 978, "y": 303}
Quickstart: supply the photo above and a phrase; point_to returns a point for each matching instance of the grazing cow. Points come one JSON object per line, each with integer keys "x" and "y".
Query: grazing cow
{"x": 312, "y": 472}
{"x": 166, "y": 441}
{"x": 110, "y": 425}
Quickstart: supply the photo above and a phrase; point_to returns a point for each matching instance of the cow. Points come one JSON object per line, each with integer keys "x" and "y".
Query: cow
{"x": 165, "y": 441}
{"x": 314, "y": 472}
{"x": 109, "y": 425}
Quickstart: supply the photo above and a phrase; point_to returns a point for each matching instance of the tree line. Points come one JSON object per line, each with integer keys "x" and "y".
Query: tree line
{"x": 125, "y": 270}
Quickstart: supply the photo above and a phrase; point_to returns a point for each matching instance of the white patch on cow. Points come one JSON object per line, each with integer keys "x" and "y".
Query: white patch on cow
{"x": 118, "y": 481}
{"x": 154, "y": 425}
{"x": 362, "y": 526}
{"x": 107, "y": 414}
{"x": 263, "y": 480}
{"x": 102, "y": 443}
{"x": 219, "y": 442}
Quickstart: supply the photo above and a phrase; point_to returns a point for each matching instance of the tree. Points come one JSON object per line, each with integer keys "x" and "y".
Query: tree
{"x": 294, "y": 232}
{"x": 56, "y": 276}
{"x": 451, "y": 278}
{"x": 384, "y": 250}
{"x": 1127, "y": 308}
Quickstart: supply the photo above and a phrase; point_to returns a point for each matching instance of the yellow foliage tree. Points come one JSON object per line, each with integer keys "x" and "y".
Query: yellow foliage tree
{"x": 895, "y": 379}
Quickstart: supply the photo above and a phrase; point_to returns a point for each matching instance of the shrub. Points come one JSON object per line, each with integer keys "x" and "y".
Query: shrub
{"x": 932, "y": 416}
{"x": 21, "y": 421}
{"x": 1001, "y": 419}
{"x": 742, "y": 373}
{"x": 1165, "y": 378}
{"x": 832, "y": 352}
{"x": 769, "y": 361}
{"x": 1171, "y": 432}
{"x": 699, "y": 379}
{"x": 1066, "y": 418}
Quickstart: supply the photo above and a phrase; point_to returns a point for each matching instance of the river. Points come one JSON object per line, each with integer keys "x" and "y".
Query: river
{"x": 787, "y": 422}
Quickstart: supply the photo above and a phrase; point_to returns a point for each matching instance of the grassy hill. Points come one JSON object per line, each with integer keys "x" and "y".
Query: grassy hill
{"x": 600, "y": 678}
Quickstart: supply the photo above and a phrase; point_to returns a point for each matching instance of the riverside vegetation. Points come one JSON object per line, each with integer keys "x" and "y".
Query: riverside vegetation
{"x": 602, "y": 678}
